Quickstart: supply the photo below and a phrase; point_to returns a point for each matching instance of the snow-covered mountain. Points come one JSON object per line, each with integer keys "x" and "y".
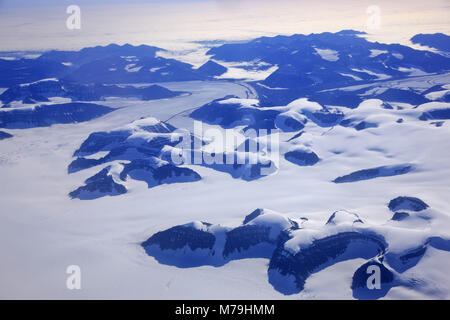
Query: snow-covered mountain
{"x": 298, "y": 248}
{"x": 145, "y": 150}
{"x": 310, "y": 65}
{"x": 47, "y": 115}
{"x": 108, "y": 64}
{"x": 437, "y": 41}
{"x": 42, "y": 90}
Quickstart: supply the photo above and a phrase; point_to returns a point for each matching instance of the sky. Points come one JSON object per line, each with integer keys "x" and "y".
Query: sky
{"x": 175, "y": 24}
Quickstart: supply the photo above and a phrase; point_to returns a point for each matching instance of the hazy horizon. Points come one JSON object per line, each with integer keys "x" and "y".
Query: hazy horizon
{"x": 41, "y": 25}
